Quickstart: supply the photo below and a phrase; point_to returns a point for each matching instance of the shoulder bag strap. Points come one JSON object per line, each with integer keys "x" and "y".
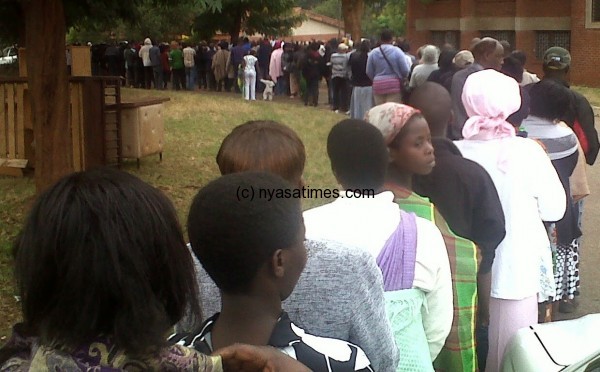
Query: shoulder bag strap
{"x": 389, "y": 63}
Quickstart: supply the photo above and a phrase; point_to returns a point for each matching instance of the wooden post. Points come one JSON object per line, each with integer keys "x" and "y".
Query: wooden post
{"x": 81, "y": 60}
{"x": 22, "y": 62}
{"x": 49, "y": 90}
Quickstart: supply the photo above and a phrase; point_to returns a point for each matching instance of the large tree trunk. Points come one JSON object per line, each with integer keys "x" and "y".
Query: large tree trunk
{"x": 352, "y": 11}
{"x": 48, "y": 90}
{"x": 236, "y": 26}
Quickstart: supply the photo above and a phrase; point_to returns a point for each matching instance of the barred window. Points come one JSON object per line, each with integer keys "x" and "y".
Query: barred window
{"x": 440, "y": 38}
{"x": 548, "y": 39}
{"x": 595, "y": 11}
{"x": 500, "y": 35}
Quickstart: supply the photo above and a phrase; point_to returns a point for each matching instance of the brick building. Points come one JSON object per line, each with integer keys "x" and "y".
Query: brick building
{"x": 529, "y": 25}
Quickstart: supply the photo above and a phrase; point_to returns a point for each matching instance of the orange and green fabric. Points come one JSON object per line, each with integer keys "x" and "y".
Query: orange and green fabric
{"x": 458, "y": 353}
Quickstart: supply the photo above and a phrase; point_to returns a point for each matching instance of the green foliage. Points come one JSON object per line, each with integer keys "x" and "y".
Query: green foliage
{"x": 10, "y": 18}
{"x": 163, "y": 21}
{"x": 390, "y": 14}
{"x": 330, "y": 8}
{"x": 270, "y": 17}
{"x": 308, "y": 4}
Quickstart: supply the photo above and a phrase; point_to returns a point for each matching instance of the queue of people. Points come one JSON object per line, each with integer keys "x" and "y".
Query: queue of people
{"x": 463, "y": 233}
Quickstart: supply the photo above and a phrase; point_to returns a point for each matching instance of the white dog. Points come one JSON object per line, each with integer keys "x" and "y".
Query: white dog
{"x": 268, "y": 92}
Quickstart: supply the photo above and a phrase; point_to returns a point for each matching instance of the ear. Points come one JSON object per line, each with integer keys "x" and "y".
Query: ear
{"x": 278, "y": 263}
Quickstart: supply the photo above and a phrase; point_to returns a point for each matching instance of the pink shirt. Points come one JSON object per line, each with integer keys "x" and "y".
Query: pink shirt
{"x": 275, "y": 65}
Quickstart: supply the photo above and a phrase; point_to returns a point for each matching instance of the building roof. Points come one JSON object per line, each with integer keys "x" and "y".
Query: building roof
{"x": 320, "y": 18}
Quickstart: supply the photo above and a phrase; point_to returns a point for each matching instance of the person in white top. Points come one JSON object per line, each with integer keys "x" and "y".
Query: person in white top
{"x": 530, "y": 192}
{"x": 144, "y": 54}
{"x": 429, "y": 63}
{"x": 189, "y": 54}
{"x": 365, "y": 216}
{"x": 249, "y": 64}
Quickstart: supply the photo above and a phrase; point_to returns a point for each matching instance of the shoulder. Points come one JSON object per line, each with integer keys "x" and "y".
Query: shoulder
{"x": 338, "y": 259}
{"x": 183, "y": 358}
{"x": 196, "y": 340}
{"x": 429, "y": 236}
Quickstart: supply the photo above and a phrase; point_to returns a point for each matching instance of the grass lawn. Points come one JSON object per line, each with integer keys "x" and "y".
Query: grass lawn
{"x": 195, "y": 124}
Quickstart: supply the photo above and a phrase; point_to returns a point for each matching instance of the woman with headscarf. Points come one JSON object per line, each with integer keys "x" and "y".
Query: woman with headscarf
{"x": 530, "y": 192}
{"x": 407, "y": 136}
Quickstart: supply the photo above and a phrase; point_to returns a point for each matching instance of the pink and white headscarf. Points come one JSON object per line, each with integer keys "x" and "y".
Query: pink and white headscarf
{"x": 390, "y": 118}
{"x": 489, "y": 98}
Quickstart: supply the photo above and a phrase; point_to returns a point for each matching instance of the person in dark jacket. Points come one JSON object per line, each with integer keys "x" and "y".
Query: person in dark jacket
{"x": 312, "y": 69}
{"x": 362, "y": 91}
{"x": 264, "y": 57}
{"x": 447, "y": 69}
{"x": 465, "y": 195}
{"x": 580, "y": 116}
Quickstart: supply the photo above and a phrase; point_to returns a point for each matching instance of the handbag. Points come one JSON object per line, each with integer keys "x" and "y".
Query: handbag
{"x": 404, "y": 88}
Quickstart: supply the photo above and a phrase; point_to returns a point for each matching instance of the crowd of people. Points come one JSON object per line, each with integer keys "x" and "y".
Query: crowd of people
{"x": 472, "y": 230}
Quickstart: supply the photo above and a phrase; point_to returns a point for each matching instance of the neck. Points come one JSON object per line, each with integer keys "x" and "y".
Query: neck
{"x": 399, "y": 178}
{"x": 248, "y": 319}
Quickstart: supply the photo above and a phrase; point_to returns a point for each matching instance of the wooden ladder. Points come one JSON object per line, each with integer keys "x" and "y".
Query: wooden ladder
{"x": 111, "y": 88}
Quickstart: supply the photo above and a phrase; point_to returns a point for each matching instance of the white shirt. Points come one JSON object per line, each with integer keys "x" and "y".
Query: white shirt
{"x": 367, "y": 223}
{"x": 188, "y": 56}
{"x": 250, "y": 61}
{"x": 145, "y": 55}
{"x": 530, "y": 192}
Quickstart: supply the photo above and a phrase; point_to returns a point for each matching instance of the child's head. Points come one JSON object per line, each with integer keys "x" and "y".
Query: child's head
{"x": 358, "y": 155}
{"x": 102, "y": 255}
{"x": 406, "y": 133}
{"x": 263, "y": 146}
{"x": 434, "y": 102}
{"x": 245, "y": 240}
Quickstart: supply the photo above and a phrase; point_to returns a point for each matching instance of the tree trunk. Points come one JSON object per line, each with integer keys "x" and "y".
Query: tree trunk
{"x": 48, "y": 90}
{"x": 236, "y": 27}
{"x": 352, "y": 11}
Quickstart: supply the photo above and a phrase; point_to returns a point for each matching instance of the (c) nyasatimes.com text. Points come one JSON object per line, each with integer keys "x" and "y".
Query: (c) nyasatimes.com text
{"x": 305, "y": 192}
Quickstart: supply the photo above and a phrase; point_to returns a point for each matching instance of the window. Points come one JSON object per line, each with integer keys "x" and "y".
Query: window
{"x": 592, "y": 13}
{"x": 500, "y": 35}
{"x": 595, "y": 11}
{"x": 441, "y": 38}
{"x": 548, "y": 39}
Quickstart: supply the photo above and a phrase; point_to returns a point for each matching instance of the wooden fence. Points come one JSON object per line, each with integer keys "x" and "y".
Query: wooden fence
{"x": 87, "y": 111}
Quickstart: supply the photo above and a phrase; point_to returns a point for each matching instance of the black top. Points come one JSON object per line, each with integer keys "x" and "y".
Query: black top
{"x": 567, "y": 228}
{"x": 317, "y": 353}
{"x": 313, "y": 66}
{"x": 580, "y": 117}
{"x": 466, "y": 197}
{"x": 358, "y": 65}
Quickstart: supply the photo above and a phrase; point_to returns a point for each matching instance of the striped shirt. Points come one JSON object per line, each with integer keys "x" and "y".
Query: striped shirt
{"x": 458, "y": 353}
{"x": 317, "y": 353}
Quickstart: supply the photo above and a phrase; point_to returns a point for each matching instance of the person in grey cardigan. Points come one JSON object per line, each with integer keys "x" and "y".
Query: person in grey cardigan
{"x": 340, "y": 292}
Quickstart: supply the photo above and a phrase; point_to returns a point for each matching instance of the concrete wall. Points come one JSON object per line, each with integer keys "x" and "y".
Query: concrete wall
{"x": 311, "y": 27}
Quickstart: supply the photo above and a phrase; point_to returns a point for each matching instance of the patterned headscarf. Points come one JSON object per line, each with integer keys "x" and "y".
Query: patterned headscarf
{"x": 489, "y": 98}
{"x": 390, "y": 118}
